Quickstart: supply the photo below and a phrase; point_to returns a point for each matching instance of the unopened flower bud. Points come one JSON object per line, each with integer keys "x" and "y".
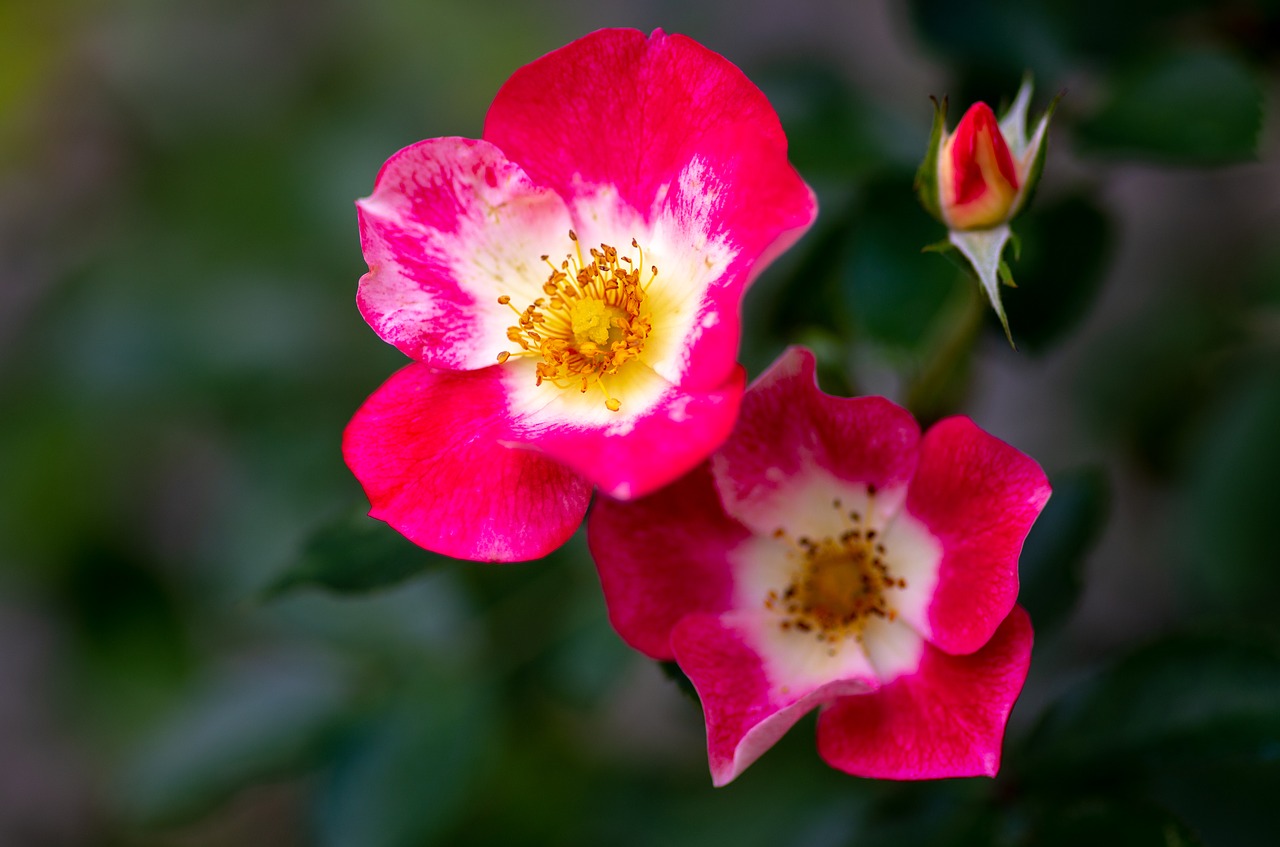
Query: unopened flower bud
{"x": 977, "y": 178}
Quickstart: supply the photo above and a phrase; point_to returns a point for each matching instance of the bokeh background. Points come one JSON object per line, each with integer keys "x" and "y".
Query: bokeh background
{"x": 204, "y": 642}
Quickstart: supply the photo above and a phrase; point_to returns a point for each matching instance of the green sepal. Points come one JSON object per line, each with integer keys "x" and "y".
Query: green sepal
{"x": 1032, "y": 181}
{"x": 983, "y": 249}
{"x": 926, "y": 182}
{"x": 1006, "y": 275}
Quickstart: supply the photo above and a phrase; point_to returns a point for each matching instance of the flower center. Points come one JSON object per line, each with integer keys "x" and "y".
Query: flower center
{"x": 592, "y": 321}
{"x": 840, "y": 584}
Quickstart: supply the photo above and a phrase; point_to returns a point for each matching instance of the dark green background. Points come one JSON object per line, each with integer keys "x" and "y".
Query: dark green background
{"x": 204, "y": 643}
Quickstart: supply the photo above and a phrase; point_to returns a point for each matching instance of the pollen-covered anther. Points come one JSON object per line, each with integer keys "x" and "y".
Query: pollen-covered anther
{"x": 593, "y": 320}
{"x": 840, "y": 583}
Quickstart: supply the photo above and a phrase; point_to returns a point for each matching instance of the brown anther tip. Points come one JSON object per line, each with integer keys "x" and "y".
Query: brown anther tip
{"x": 504, "y": 300}
{"x": 573, "y": 236}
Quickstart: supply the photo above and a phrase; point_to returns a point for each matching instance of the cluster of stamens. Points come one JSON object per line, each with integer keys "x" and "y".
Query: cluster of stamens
{"x": 840, "y": 583}
{"x": 589, "y": 324}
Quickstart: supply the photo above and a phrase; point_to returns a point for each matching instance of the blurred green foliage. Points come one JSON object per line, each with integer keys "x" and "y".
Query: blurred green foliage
{"x": 353, "y": 554}
{"x": 1188, "y": 107}
{"x": 1052, "y": 563}
{"x": 206, "y": 643}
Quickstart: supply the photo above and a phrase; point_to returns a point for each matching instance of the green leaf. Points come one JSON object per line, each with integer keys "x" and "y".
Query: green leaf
{"x": 1052, "y": 563}
{"x": 1143, "y": 381}
{"x": 1180, "y": 702}
{"x": 1111, "y": 821}
{"x": 831, "y": 128}
{"x": 955, "y": 813}
{"x": 997, "y": 37}
{"x": 1064, "y": 251}
{"x": 1194, "y": 107}
{"x": 1232, "y": 803}
{"x": 802, "y": 302}
{"x": 245, "y": 726}
{"x": 895, "y": 294}
{"x": 677, "y": 675}
{"x": 1227, "y": 525}
{"x": 406, "y": 777}
{"x": 353, "y": 554}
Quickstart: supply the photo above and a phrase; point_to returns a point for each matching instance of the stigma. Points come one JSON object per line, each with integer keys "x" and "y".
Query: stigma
{"x": 593, "y": 320}
{"x": 839, "y": 584}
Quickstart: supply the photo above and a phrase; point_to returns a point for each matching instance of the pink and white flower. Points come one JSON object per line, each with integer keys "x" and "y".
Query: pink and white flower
{"x": 830, "y": 556}
{"x": 568, "y": 287}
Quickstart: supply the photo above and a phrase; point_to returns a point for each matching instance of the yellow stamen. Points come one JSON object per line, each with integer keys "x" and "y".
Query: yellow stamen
{"x": 592, "y": 322}
{"x": 842, "y": 583}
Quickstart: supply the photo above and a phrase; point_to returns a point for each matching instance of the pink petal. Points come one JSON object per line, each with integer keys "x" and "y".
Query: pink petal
{"x": 945, "y": 720}
{"x": 426, "y": 449}
{"x": 978, "y": 497}
{"x": 747, "y": 705}
{"x": 629, "y": 453}
{"x": 672, "y": 130}
{"x": 616, "y": 108}
{"x": 662, "y": 557}
{"x": 788, "y": 429}
{"x": 452, "y": 225}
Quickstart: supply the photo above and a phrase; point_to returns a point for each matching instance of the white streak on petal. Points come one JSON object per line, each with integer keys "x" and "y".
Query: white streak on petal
{"x": 796, "y": 662}
{"x": 534, "y": 406}
{"x": 501, "y": 230}
{"x": 690, "y": 259}
{"x": 761, "y": 564}
{"x": 914, "y": 554}
{"x": 804, "y": 503}
{"x": 893, "y": 648}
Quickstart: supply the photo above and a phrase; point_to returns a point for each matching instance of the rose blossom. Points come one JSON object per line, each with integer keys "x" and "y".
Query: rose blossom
{"x": 568, "y": 287}
{"x": 828, "y": 555}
